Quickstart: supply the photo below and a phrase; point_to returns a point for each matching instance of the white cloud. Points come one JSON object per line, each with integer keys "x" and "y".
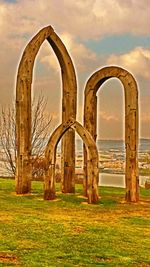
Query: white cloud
{"x": 136, "y": 61}
{"x": 145, "y": 117}
{"x": 85, "y": 19}
{"x": 107, "y": 117}
{"x": 117, "y": 16}
{"x": 47, "y": 57}
{"x": 145, "y": 109}
{"x": 74, "y": 21}
{"x": 82, "y": 56}
{"x": 2, "y": 16}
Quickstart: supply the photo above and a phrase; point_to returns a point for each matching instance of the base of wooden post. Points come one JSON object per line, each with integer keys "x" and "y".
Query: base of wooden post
{"x": 49, "y": 195}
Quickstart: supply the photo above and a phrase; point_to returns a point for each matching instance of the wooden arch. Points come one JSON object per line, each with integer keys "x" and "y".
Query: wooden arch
{"x": 92, "y": 160}
{"x": 23, "y": 108}
{"x": 131, "y": 121}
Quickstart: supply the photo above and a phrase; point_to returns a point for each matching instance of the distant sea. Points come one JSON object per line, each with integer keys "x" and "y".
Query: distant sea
{"x": 116, "y": 145}
{"x": 117, "y": 180}
{"x": 108, "y": 146}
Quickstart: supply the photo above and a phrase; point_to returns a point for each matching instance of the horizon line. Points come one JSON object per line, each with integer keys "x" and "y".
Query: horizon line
{"x": 108, "y": 139}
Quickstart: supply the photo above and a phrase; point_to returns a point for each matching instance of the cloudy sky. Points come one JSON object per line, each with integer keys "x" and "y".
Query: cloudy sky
{"x": 96, "y": 33}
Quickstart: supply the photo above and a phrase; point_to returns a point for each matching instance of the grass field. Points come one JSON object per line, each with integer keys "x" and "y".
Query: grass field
{"x": 69, "y": 232}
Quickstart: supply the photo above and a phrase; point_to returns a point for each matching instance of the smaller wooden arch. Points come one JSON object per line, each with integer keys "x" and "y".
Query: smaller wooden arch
{"x": 92, "y": 160}
{"x": 131, "y": 121}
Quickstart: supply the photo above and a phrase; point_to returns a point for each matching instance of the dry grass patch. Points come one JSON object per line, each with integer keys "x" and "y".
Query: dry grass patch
{"x": 8, "y": 258}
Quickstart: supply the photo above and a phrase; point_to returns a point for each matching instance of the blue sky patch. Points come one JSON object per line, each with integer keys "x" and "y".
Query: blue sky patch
{"x": 10, "y": 1}
{"x": 118, "y": 44}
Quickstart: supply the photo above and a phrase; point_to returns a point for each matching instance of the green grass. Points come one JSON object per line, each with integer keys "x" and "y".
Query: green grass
{"x": 69, "y": 232}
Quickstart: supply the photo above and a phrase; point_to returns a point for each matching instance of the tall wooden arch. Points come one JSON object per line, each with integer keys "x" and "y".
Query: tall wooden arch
{"x": 23, "y": 109}
{"x": 92, "y": 160}
{"x": 131, "y": 121}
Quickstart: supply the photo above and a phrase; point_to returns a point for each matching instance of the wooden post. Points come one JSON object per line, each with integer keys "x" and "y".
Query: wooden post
{"x": 90, "y": 123}
{"x": 69, "y": 102}
{"x": 49, "y": 177}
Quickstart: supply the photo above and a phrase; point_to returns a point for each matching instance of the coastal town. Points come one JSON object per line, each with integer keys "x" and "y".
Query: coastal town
{"x": 110, "y": 161}
{"x": 113, "y": 161}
